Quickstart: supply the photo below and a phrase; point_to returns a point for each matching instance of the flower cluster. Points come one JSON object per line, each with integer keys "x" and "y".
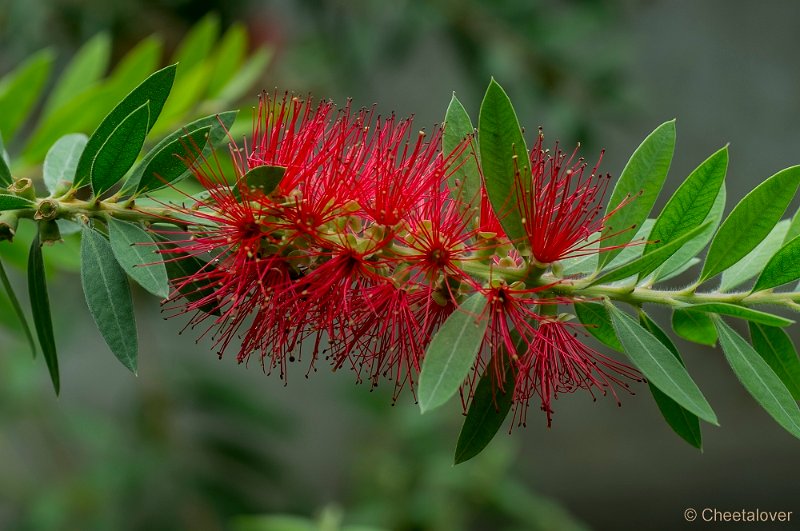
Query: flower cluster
{"x": 360, "y": 252}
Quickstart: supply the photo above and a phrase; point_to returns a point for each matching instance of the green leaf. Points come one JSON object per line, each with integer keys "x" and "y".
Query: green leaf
{"x": 691, "y": 203}
{"x": 503, "y": 153}
{"x": 465, "y": 181}
{"x": 264, "y": 178}
{"x": 794, "y": 228}
{"x": 759, "y": 379}
{"x": 246, "y": 76}
{"x": 191, "y": 86}
{"x": 782, "y": 268}
{"x": 20, "y": 90}
{"x": 13, "y": 202}
{"x": 751, "y": 221}
{"x": 228, "y": 58}
{"x": 217, "y": 134}
{"x": 487, "y": 412}
{"x": 40, "y": 309}
{"x": 152, "y": 91}
{"x": 452, "y": 353}
{"x": 647, "y": 263}
{"x": 659, "y": 365}
{"x": 641, "y": 180}
{"x": 754, "y": 262}
{"x": 677, "y": 262}
{"x": 84, "y": 112}
{"x": 173, "y": 161}
{"x": 197, "y": 43}
{"x": 680, "y": 270}
{"x": 636, "y": 247}
{"x": 776, "y": 348}
{"x": 181, "y": 269}
{"x": 5, "y": 172}
{"x": 137, "y": 253}
{"x": 108, "y": 297}
{"x": 120, "y": 150}
{"x": 697, "y": 327}
{"x": 586, "y": 264}
{"x": 62, "y": 161}
{"x": 84, "y": 70}
{"x": 741, "y": 312}
{"x": 682, "y": 422}
{"x": 594, "y": 316}
{"x": 17, "y": 307}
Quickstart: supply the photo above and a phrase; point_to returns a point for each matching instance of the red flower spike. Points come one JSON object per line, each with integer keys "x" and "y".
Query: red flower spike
{"x": 512, "y": 319}
{"x": 439, "y": 234}
{"x": 561, "y": 203}
{"x": 384, "y": 337}
{"x": 397, "y": 171}
{"x": 557, "y": 362}
{"x": 290, "y": 132}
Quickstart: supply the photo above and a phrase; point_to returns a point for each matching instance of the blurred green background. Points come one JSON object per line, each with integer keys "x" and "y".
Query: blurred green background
{"x": 200, "y": 443}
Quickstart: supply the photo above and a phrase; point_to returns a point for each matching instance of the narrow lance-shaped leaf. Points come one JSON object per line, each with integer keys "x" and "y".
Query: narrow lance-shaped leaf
{"x": 641, "y": 179}
{"x": 218, "y": 133}
{"x": 181, "y": 269}
{"x": 153, "y": 90}
{"x": 263, "y": 179}
{"x": 40, "y": 309}
{"x": 759, "y": 379}
{"x": 452, "y": 353}
{"x": 691, "y": 203}
{"x": 794, "y": 228}
{"x": 682, "y": 422}
{"x": 108, "y": 297}
{"x": 173, "y": 161}
{"x": 647, "y": 263}
{"x": 62, "y": 161}
{"x": 636, "y": 248}
{"x": 659, "y": 365}
{"x": 465, "y": 181}
{"x": 120, "y": 150}
{"x": 697, "y": 327}
{"x": 751, "y": 221}
{"x": 5, "y": 172}
{"x": 594, "y": 316}
{"x": 742, "y": 312}
{"x": 782, "y": 268}
{"x": 246, "y": 76}
{"x": 84, "y": 112}
{"x": 20, "y": 90}
{"x": 755, "y": 261}
{"x": 693, "y": 247}
{"x": 228, "y": 57}
{"x": 776, "y": 347}
{"x": 14, "y": 202}
{"x": 12, "y": 297}
{"x": 503, "y": 154}
{"x": 84, "y": 70}
{"x": 487, "y": 411}
{"x": 136, "y": 252}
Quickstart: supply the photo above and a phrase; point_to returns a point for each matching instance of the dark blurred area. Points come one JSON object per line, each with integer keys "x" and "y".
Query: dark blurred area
{"x": 195, "y": 442}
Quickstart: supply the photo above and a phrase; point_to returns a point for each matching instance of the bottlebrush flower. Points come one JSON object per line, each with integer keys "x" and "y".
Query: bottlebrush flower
{"x": 557, "y": 362}
{"x": 561, "y": 203}
{"x": 290, "y": 132}
{"x": 397, "y": 171}
{"x": 513, "y": 318}
{"x": 385, "y": 338}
